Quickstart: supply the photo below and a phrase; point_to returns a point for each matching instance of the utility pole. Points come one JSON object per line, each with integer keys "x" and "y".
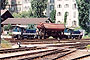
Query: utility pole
{"x": 2, "y": 6}
{"x": 0, "y": 21}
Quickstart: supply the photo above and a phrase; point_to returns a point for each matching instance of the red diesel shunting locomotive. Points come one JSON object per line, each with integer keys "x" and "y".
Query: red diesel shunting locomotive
{"x": 50, "y": 29}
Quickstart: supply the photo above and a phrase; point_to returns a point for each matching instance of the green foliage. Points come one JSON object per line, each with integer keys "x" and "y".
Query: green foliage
{"x": 88, "y": 46}
{"x": 16, "y": 15}
{"x": 31, "y": 26}
{"x": 23, "y": 14}
{"x": 86, "y": 37}
{"x": 5, "y": 44}
{"x": 3, "y": 4}
{"x": 53, "y": 15}
{"x": 83, "y": 8}
{"x": 89, "y": 34}
{"x": 7, "y": 28}
{"x": 77, "y": 28}
{"x": 65, "y": 17}
{"x": 30, "y": 13}
{"x": 38, "y": 6}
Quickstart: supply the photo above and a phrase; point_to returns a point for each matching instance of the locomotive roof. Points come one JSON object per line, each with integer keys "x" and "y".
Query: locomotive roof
{"x": 52, "y": 26}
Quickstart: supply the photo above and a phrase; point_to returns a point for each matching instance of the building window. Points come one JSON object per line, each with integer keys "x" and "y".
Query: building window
{"x": 19, "y": 8}
{"x": 66, "y": 5}
{"x": 74, "y": 6}
{"x": 59, "y": 14}
{"x": 26, "y": 1}
{"x": 12, "y": 2}
{"x": 74, "y": 23}
{"x": 74, "y": 14}
{"x": 12, "y": 9}
{"x": 51, "y": 7}
{"x": 51, "y": 1}
{"x": 18, "y": 2}
{"x": 67, "y": 13}
{"x": 73, "y": 0}
{"x": 66, "y": 0}
{"x": 59, "y": 0}
{"x": 28, "y": 7}
{"x": 58, "y": 22}
{"x": 59, "y": 6}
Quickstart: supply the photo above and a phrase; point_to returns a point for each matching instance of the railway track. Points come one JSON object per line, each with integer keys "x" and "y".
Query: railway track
{"x": 81, "y": 57}
{"x": 47, "y": 41}
{"x": 4, "y": 51}
{"x": 23, "y": 55}
{"x": 77, "y": 45}
{"x": 50, "y": 56}
{"x": 53, "y": 54}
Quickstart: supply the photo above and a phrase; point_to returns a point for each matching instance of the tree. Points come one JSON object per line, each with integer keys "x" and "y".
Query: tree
{"x": 53, "y": 15}
{"x": 16, "y": 15}
{"x": 65, "y": 17}
{"x": 31, "y": 26}
{"x": 7, "y": 28}
{"x": 24, "y": 14}
{"x": 4, "y": 3}
{"x": 30, "y": 13}
{"x": 38, "y": 6}
{"x": 83, "y": 9}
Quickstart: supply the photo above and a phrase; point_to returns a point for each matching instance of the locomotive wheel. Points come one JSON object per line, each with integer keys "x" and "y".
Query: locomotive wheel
{"x": 79, "y": 37}
{"x": 39, "y": 37}
{"x": 58, "y": 38}
{"x": 43, "y": 37}
{"x": 18, "y": 37}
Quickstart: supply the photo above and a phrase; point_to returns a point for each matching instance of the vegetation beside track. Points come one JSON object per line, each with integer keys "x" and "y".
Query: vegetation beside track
{"x": 86, "y": 37}
{"x": 6, "y": 44}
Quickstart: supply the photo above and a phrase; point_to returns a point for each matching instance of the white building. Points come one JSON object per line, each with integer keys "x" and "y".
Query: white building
{"x": 26, "y": 5}
{"x": 70, "y": 6}
{"x": 18, "y": 5}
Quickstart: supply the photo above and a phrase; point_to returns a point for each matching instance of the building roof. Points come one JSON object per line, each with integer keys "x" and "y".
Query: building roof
{"x": 24, "y": 21}
{"x": 3, "y": 11}
{"x": 5, "y": 14}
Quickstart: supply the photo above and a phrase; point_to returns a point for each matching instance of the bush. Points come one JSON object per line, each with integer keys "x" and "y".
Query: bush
{"x": 31, "y": 26}
{"x": 88, "y": 46}
{"x": 7, "y": 28}
{"x": 5, "y": 44}
{"x": 78, "y": 28}
{"x": 88, "y": 34}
